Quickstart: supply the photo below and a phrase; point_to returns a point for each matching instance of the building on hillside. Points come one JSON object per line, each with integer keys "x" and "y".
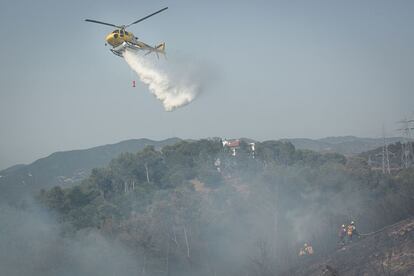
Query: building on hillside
{"x": 233, "y": 145}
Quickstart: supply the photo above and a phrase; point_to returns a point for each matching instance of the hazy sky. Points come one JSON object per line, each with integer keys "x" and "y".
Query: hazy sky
{"x": 274, "y": 69}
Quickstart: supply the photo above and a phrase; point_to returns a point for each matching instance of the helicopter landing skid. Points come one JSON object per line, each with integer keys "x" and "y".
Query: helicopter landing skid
{"x": 118, "y": 53}
{"x": 119, "y": 50}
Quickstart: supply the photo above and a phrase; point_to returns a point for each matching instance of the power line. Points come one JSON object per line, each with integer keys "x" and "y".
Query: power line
{"x": 407, "y": 143}
{"x": 385, "y": 155}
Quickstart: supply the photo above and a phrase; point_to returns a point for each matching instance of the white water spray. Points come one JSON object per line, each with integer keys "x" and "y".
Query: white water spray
{"x": 172, "y": 89}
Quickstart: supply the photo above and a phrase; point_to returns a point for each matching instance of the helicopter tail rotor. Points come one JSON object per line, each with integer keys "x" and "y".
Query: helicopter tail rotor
{"x": 160, "y": 48}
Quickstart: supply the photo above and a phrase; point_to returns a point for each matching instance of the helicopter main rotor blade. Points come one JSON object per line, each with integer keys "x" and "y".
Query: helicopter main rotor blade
{"x": 139, "y": 20}
{"x": 103, "y": 23}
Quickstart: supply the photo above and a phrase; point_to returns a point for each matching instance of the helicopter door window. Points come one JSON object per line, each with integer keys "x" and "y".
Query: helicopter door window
{"x": 126, "y": 33}
{"x": 122, "y": 33}
{"x": 115, "y": 35}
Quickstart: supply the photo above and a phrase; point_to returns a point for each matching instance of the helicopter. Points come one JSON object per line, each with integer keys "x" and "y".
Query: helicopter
{"x": 120, "y": 39}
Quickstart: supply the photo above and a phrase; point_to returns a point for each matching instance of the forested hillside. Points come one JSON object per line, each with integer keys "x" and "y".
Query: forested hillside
{"x": 348, "y": 145}
{"x": 395, "y": 156}
{"x": 193, "y": 208}
{"x": 66, "y": 168}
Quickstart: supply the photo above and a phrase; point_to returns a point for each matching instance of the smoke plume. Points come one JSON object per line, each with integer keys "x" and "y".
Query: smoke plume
{"x": 174, "y": 87}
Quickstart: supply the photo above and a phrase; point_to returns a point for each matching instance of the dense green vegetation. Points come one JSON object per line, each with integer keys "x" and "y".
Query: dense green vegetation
{"x": 194, "y": 208}
{"x": 65, "y": 168}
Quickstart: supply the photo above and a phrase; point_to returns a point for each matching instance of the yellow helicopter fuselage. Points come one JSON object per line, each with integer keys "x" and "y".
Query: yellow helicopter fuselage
{"x": 118, "y": 37}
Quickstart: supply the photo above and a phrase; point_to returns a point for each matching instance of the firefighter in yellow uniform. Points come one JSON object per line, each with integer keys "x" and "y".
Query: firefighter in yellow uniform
{"x": 351, "y": 231}
{"x": 307, "y": 249}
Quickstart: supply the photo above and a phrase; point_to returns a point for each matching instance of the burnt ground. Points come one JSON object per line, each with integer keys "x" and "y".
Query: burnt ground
{"x": 389, "y": 251}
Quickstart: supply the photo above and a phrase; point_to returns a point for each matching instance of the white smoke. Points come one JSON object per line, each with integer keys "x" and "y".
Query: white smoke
{"x": 174, "y": 88}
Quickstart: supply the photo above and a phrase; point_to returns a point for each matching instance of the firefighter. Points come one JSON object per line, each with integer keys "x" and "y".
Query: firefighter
{"x": 302, "y": 251}
{"x": 307, "y": 249}
{"x": 342, "y": 234}
{"x": 351, "y": 231}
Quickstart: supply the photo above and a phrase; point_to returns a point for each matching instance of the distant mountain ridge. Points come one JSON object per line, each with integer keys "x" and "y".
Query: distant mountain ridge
{"x": 347, "y": 145}
{"x": 68, "y": 167}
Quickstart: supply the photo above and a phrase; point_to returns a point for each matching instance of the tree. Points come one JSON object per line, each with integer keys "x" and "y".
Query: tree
{"x": 104, "y": 181}
{"x": 54, "y": 199}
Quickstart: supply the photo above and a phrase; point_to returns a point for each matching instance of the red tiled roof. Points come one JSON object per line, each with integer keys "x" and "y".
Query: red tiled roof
{"x": 233, "y": 144}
